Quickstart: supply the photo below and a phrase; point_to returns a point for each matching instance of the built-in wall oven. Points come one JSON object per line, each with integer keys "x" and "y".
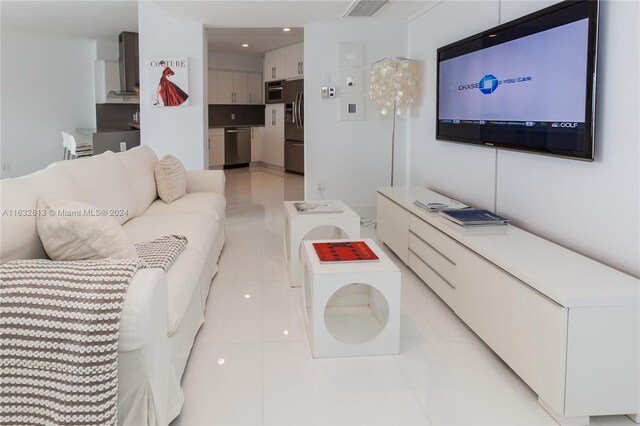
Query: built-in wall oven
{"x": 274, "y": 92}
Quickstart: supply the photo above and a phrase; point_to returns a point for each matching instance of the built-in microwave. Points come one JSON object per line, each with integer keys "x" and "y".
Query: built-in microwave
{"x": 274, "y": 92}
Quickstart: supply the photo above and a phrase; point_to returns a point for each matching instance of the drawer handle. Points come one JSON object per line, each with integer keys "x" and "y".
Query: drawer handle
{"x": 432, "y": 247}
{"x": 433, "y": 270}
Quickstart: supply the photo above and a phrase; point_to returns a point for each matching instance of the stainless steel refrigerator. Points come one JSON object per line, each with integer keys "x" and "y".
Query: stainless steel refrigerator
{"x": 294, "y": 126}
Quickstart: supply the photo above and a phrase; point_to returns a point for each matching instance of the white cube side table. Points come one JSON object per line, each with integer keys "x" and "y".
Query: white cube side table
{"x": 298, "y": 225}
{"x": 334, "y": 324}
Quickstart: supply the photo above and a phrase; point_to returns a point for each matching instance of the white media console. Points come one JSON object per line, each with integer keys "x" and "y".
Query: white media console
{"x": 566, "y": 324}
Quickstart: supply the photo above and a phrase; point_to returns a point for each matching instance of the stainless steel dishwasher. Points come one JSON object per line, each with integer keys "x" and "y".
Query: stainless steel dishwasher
{"x": 237, "y": 146}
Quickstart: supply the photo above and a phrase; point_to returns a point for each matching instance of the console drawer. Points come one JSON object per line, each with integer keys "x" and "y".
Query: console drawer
{"x": 441, "y": 264}
{"x": 440, "y": 286}
{"x": 446, "y": 245}
{"x": 526, "y": 329}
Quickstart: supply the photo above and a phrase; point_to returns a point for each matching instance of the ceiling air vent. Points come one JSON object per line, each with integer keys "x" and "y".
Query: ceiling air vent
{"x": 365, "y": 7}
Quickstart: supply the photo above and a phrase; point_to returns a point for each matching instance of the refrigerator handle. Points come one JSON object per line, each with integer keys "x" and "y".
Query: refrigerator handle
{"x": 273, "y": 117}
{"x": 295, "y": 111}
{"x": 300, "y": 105}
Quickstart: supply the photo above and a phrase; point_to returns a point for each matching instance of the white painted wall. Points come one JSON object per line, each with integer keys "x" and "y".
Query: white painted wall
{"x": 47, "y": 86}
{"x": 224, "y": 61}
{"x": 352, "y": 158}
{"x": 558, "y": 199}
{"x": 179, "y": 131}
{"x": 108, "y": 47}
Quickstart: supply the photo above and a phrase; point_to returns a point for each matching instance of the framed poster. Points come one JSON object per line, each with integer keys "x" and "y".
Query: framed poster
{"x": 169, "y": 81}
{"x": 351, "y": 80}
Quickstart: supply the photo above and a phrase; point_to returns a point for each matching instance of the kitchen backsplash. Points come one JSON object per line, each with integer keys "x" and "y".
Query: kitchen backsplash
{"x": 115, "y": 116}
{"x": 223, "y": 115}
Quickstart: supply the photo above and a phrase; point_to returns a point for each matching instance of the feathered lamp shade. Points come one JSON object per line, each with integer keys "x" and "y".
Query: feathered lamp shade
{"x": 394, "y": 88}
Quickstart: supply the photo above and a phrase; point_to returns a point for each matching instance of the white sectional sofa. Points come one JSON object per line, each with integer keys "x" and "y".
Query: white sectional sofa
{"x": 162, "y": 311}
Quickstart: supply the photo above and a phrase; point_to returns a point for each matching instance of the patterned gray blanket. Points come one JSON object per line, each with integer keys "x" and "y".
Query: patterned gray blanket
{"x": 59, "y": 329}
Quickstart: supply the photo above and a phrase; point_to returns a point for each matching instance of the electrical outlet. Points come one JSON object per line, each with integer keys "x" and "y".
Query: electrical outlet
{"x": 123, "y": 146}
{"x": 319, "y": 186}
{"x": 233, "y": 116}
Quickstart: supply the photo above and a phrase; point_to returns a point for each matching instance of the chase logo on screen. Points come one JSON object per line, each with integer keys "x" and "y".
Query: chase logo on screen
{"x": 489, "y": 83}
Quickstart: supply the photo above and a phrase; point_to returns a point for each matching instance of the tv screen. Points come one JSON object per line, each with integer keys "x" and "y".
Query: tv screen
{"x": 526, "y": 85}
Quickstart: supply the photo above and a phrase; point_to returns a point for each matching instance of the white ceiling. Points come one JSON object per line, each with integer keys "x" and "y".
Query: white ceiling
{"x": 103, "y": 19}
{"x": 291, "y": 13}
{"x": 260, "y": 40}
{"x": 87, "y": 19}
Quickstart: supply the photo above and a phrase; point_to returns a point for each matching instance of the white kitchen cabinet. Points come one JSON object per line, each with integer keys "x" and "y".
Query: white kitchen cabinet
{"x": 213, "y": 87}
{"x": 274, "y": 65}
{"x": 225, "y": 87}
{"x": 274, "y": 135}
{"x": 235, "y": 87}
{"x": 257, "y": 144}
{"x": 240, "y": 91}
{"x": 254, "y": 87}
{"x": 294, "y": 61}
{"x": 216, "y": 148}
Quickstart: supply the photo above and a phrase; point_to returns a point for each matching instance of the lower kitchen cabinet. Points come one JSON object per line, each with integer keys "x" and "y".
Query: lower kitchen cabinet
{"x": 273, "y": 136}
{"x": 257, "y": 144}
{"x": 216, "y": 148}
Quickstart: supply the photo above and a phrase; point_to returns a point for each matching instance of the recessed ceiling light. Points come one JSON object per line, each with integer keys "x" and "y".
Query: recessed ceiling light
{"x": 221, "y": 361}
{"x": 493, "y": 35}
{"x": 286, "y": 29}
{"x": 247, "y": 296}
{"x": 245, "y": 45}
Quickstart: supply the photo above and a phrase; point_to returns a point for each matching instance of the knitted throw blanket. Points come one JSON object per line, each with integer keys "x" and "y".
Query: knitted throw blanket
{"x": 59, "y": 329}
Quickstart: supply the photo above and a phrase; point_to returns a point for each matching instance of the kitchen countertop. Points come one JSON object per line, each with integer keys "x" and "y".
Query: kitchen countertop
{"x": 90, "y": 131}
{"x": 235, "y": 125}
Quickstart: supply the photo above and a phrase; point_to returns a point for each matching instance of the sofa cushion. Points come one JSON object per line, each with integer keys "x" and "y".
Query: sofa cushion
{"x": 200, "y": 229}
{"x": 140, "y": 165}
{"x": 102, "y": 182}
{"x": 196, "y": 202}
{"x": 171, "y": 178}
{"x": 69, "y": 231}
{"x": 19, "y": 197}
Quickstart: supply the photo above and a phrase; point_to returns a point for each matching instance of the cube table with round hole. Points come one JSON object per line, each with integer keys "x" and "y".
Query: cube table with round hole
{"x": 297, "y": 226}
{"x": 352, "y": 308}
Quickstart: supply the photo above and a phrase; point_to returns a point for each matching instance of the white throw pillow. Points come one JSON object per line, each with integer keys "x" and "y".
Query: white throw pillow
{"x": 73, "y": 230}
{"x": 171, "y": 179}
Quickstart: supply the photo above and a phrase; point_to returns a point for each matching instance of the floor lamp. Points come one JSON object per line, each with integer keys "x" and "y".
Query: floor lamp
{"x": 394, "y": 87}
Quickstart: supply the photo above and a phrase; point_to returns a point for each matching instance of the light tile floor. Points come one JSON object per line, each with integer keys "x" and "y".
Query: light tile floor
{"x": 251, "y": 362}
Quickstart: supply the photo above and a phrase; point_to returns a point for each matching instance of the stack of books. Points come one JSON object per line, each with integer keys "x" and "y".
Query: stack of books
{"x": 345, "y": 251}
{"x": 85, "y": 150}
{"x": 434, "y": 207}
{"x": 316, "y": 208}
{"x": 474, "y": 217}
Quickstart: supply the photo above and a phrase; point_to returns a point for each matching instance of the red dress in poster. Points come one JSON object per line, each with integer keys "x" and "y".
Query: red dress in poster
{"x": 168, "y": 91}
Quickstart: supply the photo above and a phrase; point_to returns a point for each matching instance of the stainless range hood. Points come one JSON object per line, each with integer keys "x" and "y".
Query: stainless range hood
{"x": 129, "y": 61}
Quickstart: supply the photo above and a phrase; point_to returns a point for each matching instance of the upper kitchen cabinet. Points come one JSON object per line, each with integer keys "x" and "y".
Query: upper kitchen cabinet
{"x": 274, "y": 65}
{"x": 213, "y": 87}
{"x": 240, "y": 91}
{"x": 234, "y": 87}
{"x": 254, "y": 87}
{"x": 294, "y": 61}
{"x": 225, "y": 87}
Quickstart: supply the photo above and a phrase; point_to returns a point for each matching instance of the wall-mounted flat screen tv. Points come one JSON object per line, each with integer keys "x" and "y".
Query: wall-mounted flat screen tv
{"x": 526, "y": 85}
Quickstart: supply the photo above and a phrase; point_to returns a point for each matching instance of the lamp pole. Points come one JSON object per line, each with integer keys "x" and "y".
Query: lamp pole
{"x": 393, "y": 140}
